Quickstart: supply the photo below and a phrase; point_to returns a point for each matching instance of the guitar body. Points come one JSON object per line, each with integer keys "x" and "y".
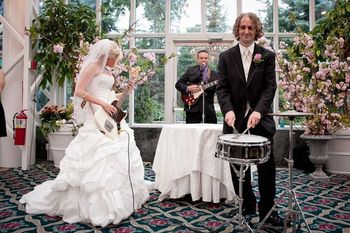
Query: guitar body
{"x": 109, "y": 125}
{"x": 191, "y": 98}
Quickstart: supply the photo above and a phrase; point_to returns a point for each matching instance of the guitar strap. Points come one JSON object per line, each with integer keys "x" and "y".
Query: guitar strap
{"x": 92, "y": 110}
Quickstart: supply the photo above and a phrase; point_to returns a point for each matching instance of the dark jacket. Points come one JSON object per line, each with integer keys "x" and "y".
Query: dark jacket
{"x": 193, "y": 75}
{"x": 234, "y": 91}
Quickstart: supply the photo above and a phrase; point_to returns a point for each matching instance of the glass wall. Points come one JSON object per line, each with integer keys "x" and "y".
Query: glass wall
{"x": 186, "y": 57}
{"x": 183, "y": 27}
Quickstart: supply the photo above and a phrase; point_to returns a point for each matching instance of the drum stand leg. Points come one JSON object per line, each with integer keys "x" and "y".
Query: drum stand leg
{"x": 291, "y": 215}
{"x": 239, "y": 218}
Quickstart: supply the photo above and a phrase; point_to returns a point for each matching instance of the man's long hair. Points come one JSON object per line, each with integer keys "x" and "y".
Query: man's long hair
{"x": 256, "y": 24}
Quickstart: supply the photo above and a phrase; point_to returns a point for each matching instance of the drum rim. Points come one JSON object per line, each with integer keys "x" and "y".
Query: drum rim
{"x": 244, "y": 161}
{"x": 245, "y": 143}
{"x": 243, "y": 135}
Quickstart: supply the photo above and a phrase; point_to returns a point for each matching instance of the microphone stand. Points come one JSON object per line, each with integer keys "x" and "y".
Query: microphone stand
{"x": 203, "y": 104}
{"x": 203, "y": 97}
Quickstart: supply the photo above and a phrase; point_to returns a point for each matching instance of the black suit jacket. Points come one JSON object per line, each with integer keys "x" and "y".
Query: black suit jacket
{"x": 194, "y": 76}
{"x": 234, "y": 91}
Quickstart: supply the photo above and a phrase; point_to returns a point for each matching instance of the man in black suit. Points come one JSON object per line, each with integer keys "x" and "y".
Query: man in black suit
{"x": 246, "y": 90}
{"x": 190, "y": 83}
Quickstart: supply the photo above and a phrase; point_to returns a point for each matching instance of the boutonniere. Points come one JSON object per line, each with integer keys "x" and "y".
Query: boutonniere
{"x": 258, "y": 58}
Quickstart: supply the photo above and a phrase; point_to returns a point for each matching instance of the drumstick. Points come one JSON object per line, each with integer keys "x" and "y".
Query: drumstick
{"x": 234, "y": 129}
{"x": 245, "y": 130}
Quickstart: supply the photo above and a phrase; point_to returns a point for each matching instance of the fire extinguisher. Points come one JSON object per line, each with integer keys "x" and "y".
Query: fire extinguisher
{"x": 19, "y": 123}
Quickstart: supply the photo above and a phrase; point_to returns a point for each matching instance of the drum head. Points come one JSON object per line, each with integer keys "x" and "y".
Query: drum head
{"x": 242, "y": 138}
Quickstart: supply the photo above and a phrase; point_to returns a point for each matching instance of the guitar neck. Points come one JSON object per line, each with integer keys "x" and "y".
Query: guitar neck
{"x": 122, "y": 97}
{"x": 205, "y": 86}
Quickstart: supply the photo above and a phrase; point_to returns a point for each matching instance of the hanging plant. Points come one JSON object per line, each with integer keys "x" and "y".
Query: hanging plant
{"x": 57, "y": 34}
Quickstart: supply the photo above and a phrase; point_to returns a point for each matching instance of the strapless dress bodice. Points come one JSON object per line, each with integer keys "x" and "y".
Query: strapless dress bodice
{"x": 101, "y": 85}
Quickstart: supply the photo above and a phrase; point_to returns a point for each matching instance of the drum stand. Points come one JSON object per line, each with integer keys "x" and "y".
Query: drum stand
{"x": 239, "y": 218}
{"x": 291, "y": 215}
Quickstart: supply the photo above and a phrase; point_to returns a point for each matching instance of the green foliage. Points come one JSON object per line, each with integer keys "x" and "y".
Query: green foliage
{"x": 298, "y": 10}
{"x": 336, "y": 23}
{"x": 144, "y": 105}
{"x": 66, "y": 25}
{"x": 216, "y": 19}
{"x": 149, "y": 97}
{"x": 111, "y": 10}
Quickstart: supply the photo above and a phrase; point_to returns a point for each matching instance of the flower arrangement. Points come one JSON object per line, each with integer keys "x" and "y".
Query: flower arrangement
{"x": 257, "y": 59}
{"x": 53, "y": 117}
{"x": 141, "y": 67}
{"x": 316, "y": 82}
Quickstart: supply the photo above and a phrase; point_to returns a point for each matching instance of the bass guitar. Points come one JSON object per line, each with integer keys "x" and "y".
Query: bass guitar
{"x": 191, "y": 98}
{"x": 110, "y": 125}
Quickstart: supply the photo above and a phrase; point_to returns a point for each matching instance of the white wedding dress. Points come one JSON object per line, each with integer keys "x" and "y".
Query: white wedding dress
{"x": 95, "y": 184}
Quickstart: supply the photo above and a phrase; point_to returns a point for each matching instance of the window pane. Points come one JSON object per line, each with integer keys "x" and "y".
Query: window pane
{"x": 186, "y": 57}
{"x": 263, "y": 9}
{"x": 300, "y": 11}
{"x": 89, "y": 3}
{"x": 41, "y": 98}
{"x": 185, "y": 16}
{"x": 115, "y": 16}
{"x": 220, "y": 15}
{"x": 149, "y": 99}
{"x": 150, "y": 16}
{"x": 322, "y": 7}
{"x": 2, "y": 8}
{"x": 286, "y": 41}
{"x": 150, "y": 43}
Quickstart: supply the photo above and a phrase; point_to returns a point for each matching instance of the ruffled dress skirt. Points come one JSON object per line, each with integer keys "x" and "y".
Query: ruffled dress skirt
{"x": 101, "y": 181}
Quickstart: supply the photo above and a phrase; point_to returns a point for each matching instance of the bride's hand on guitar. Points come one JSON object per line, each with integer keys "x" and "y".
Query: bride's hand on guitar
{"x": 110, "y": 109}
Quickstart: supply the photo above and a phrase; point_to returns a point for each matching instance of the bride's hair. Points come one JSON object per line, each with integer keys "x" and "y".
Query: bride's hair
{"x": 115, "y": 51}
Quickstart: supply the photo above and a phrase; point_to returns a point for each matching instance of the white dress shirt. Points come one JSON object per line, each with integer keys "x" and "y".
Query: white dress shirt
{"x": 247, "y": 54}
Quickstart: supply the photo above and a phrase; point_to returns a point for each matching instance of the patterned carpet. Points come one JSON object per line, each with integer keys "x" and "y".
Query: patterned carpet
{"x": 326, "y": 207}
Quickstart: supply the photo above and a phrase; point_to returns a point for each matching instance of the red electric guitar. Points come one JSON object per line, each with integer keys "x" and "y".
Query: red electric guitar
{"x": 191, "y": 98}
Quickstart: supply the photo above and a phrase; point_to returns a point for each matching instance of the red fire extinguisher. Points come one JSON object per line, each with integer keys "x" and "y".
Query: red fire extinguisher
{"x": 19, "y": 123}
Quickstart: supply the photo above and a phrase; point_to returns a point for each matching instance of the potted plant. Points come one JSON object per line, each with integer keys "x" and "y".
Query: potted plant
{"x": 317, "y": 82}
{"x": 57, "y": 34}
{"x": 54, "y": 117}
{"x": 339, "y": 146}
{"x": 58, "y": 127}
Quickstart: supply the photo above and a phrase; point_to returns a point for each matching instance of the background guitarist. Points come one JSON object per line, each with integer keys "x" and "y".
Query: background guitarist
{"x": 190, "y": 82}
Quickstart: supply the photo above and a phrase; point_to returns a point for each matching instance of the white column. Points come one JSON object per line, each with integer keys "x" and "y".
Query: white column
{"x": 16, "y": 95}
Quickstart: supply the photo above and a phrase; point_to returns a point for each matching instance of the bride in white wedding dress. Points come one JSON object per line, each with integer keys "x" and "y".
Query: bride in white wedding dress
{"x": 101, "y": 181}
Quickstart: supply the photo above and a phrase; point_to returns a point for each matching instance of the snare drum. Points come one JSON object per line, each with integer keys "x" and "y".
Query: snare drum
{"x": 243, "y": 149}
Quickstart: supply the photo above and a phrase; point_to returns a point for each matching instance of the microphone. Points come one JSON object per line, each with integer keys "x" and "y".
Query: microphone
{"x": 203, "y": 71}
{"x": 203, "y": 66}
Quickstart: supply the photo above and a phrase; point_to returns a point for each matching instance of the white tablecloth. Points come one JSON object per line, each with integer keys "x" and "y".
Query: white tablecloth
{"x": 185, "y": 163}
